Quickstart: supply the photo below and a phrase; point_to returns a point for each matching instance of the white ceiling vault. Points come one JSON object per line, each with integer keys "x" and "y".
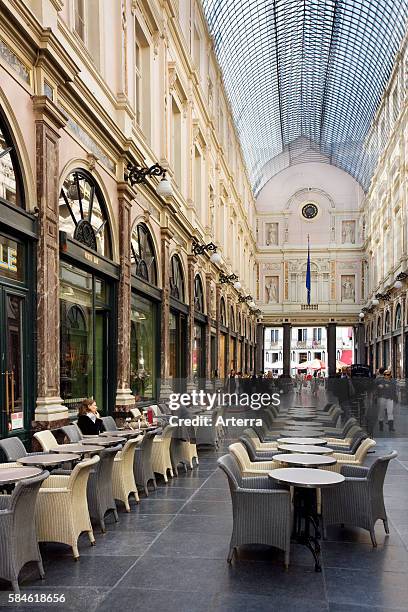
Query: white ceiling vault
{"x": 305, "y": 77}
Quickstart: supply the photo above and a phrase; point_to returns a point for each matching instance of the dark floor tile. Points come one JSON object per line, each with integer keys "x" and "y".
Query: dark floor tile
{"x": 209, "y": 508}
{"x": 190, "y": 523}
{"x": 209, "y": 494}
{"x": 121, "y": 543}
{"x": 177, "y": 574}
{"x": 239, "y": 602}
{"x": 171, "y": 493}
{"x": 349, "y": 586}
{"x": 363, "y": 556}
{"x": 141, "y": 522}
{"x": 175, "y": 543}
{"x": 334, "y": 607}
{"x": 154, "y": 601}
{"x": 355, "y": 534}
{"x": 192, "y": 482}
{"x": 152, "y": 505}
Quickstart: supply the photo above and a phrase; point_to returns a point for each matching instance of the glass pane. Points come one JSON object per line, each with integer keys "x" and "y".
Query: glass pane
{"x": 11, "y": 259}
{"x": 14, "y": 362}
{"x": 76, "y": 350}
{"x": 142, "y": 348}
{"x": 100, "y": 358}
{"x": 8, "y": 181}
{"x": 198, "y": 353}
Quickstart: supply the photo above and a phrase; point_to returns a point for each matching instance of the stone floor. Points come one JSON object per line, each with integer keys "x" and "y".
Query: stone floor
{"x": 169, "y": 554}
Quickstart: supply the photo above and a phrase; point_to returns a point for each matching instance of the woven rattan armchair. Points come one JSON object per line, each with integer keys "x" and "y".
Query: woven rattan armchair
{"x": 262, "y": 513}
{"x": 359, "y": 501}
{"x": 253, "y": 453}
{"x": 72, "y": 432}
{"x": 46, "y": 439}
{"x": 14, "y": 449}
{"x": 351, "y": 449}
{"x": 344, "y": 432}
{"x": 109, "y": 423}
{"x": 161, "y": 460}
{"x": 248, "y": 467}
{"x": 62, "y": 509}
{"x": 100, "y": 489}
{"x": 357, "y": 459}
{"x": 18, "y": 540}
{"x": 143, "y": 468}
{"x": 260, "y": 446}
{"x": 123, "y": 478}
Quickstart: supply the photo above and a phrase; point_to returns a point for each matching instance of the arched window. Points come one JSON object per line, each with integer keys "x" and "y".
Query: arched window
{"x": 143, "y": 257}
{"x": 387, "y": 323}
{"x": 198, "y": 294}
{"x": 232, "y": 320}
{"x": 398, "y": 316}
{"x": 176, "y": 278}
{"x": 11, "y": 184}
{"x": 83, "y": 214}
{"x": 76, "y": 318}
{"x": 223, "y": 312}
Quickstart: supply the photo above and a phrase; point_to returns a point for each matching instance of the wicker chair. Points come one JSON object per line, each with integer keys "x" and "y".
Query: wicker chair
{"x": 100, "y": 490}
{"x": 342, "y": 433}
{"x": 359, "y": 501}
{"x": 62, "y": 509}
{"x": 123, "y": 479}
{"x": 73, "y": 433}
{"x": 18, "y": 540}
{"x": 253, "y": 453}
{"x": 351, "y": 449}
{"x": 14, "y": 449}
{"x": 109, "y": 423}
{"x": 257, "y": 444}
{"x": 248, "y": 467}
{"x": 46, "y": 439}
{"x": 357, "y": 459}
{"x": 262, "y": 513}
{"x": 189, "y": 447}
{"x": 143, "y": 468}
{"x": 161, "y": 459}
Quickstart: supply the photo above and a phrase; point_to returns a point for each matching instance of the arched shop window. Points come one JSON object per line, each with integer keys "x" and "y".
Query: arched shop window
{"x": 223, "y": 313}
{"x": 176, "y": 279}
{"x": 198, "y": 294}
{"x": 398, "y": 317}
{"x": 387, "y": 323}
{"x": 83, "y": 214}
{"x": 143, "y": 255}
{"x": 11, "y": 184}
{"x": 232, "y": 320}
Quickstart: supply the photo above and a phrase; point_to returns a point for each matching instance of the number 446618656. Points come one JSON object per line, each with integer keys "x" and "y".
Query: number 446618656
{"x": 36, "y": 598}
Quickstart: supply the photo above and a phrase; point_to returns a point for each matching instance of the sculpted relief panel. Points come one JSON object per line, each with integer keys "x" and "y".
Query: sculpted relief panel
{"x": 272, "y": 234}
{"x": 348, "y": 232}
{"x": 348, "y": 288}
{"x": 271, "y": 289}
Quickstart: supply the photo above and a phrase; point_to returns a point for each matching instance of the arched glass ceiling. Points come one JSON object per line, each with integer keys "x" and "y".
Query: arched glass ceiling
{"x": 305, "y": 77}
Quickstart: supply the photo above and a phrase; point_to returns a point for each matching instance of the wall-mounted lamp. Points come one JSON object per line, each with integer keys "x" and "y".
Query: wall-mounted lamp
{"x": 246, "y": 298}
{"x": 200, "y": 249}
{"x": 383, "y": 296}
{"x": 137, "y": 174}
{"x": 224, "y": 278}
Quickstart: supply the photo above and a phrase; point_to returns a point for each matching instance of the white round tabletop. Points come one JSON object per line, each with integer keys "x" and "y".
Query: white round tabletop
{"x": 305, "y": 459}
{"x": 102, "y": 441}
{"x": 303, "y": 440}
{"x": 305, "y": 448}
{"x": 306, "y": 477}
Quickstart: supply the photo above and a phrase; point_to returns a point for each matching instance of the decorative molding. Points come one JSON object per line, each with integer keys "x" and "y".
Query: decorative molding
{"x": 14, "y": 62}
{"x": 90, "y": 143}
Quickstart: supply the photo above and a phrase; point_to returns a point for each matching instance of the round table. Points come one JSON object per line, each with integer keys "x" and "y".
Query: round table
{"x": 305, "y": 482}
{"x": 77, "y": 448}
{"x": 121, "y": 433}
{"x": 305, "y": 448}
{"x": 303, "y": 440}
{"x": 15, "y": 474}
{"x": 102, "y": 441}
{"x": 304, "y": 459}
{"x": 48, "y": 459}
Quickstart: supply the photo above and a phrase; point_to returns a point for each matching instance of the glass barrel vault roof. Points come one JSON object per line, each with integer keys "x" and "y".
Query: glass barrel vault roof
{"x": 305, "y": 77}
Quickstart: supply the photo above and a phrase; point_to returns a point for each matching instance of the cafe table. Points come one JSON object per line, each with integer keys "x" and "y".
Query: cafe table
{"x": 77, "y": 448}
{"x": 46, "y": 460}
{"x": 304, "y": 459}
{"x": 305, "y": 482}
{"x": 121, "y": 433}
{"x": 303, "y": 440}
{"x": 14, "y": 474}
{"x": 305, "y": 448}
{"x": 102, "y": 441}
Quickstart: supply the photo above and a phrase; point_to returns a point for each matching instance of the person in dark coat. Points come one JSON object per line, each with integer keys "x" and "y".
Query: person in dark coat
{"x": 88, "y": 418}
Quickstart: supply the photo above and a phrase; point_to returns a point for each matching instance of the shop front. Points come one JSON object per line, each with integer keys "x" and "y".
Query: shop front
{"x": 88, "y": 287}
{"x": 17, "y": 306}
{"x": 200, "y": 322}
{"x": 145, "y": 313}
{"x": 179, "y": 311}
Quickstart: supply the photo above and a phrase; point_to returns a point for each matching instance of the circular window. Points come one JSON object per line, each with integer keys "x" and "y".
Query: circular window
{"x": 309, "y": 210}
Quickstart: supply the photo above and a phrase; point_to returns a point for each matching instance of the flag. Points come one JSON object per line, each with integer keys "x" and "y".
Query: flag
{"x": 308, "y": 276}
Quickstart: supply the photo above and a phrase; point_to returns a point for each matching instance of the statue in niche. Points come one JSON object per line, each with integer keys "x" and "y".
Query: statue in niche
{"x": 272, "y": 232}
{"x": 348, "y": 234}
{"x": 348, "y": 288}
{"x": 272, "y": 289}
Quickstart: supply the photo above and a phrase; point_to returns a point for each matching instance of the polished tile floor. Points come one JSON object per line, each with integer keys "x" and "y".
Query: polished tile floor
{"x": 169, "y": 554}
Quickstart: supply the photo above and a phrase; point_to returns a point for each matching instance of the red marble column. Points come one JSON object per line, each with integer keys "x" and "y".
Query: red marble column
{"x": 124, "y": 397}
{"x": 207, "y": 334}
{"x": 49, "y": 120}
{"x": 165, "y": 387}
{"x": 191, "y": 261}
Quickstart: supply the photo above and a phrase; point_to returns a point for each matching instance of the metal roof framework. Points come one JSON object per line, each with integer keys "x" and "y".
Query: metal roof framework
{"x": 305, "y": 77}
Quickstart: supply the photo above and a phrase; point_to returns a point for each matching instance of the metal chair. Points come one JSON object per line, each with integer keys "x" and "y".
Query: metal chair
{"x": 18, "y": 540}
{"x": 359, "y": 501}
{"x": 143, "y": 468}
{"x": 100, "y": 490}
{"x": 262, "y": 512}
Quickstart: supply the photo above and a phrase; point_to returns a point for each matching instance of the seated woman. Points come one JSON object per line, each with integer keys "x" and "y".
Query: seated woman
{"x": 88, "y": 418}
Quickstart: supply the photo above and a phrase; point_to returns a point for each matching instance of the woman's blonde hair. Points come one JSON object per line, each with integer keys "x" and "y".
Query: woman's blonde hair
{"x": 84, "y": 407}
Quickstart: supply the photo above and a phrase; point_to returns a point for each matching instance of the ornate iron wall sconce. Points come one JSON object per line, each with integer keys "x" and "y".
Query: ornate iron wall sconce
{"x": 228, "y": 279}
{"x": 137, "y": 174}
{"x": 245, "y": 298}
{"x": 200, "y": 249}
{"x": 383, "y": 296}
